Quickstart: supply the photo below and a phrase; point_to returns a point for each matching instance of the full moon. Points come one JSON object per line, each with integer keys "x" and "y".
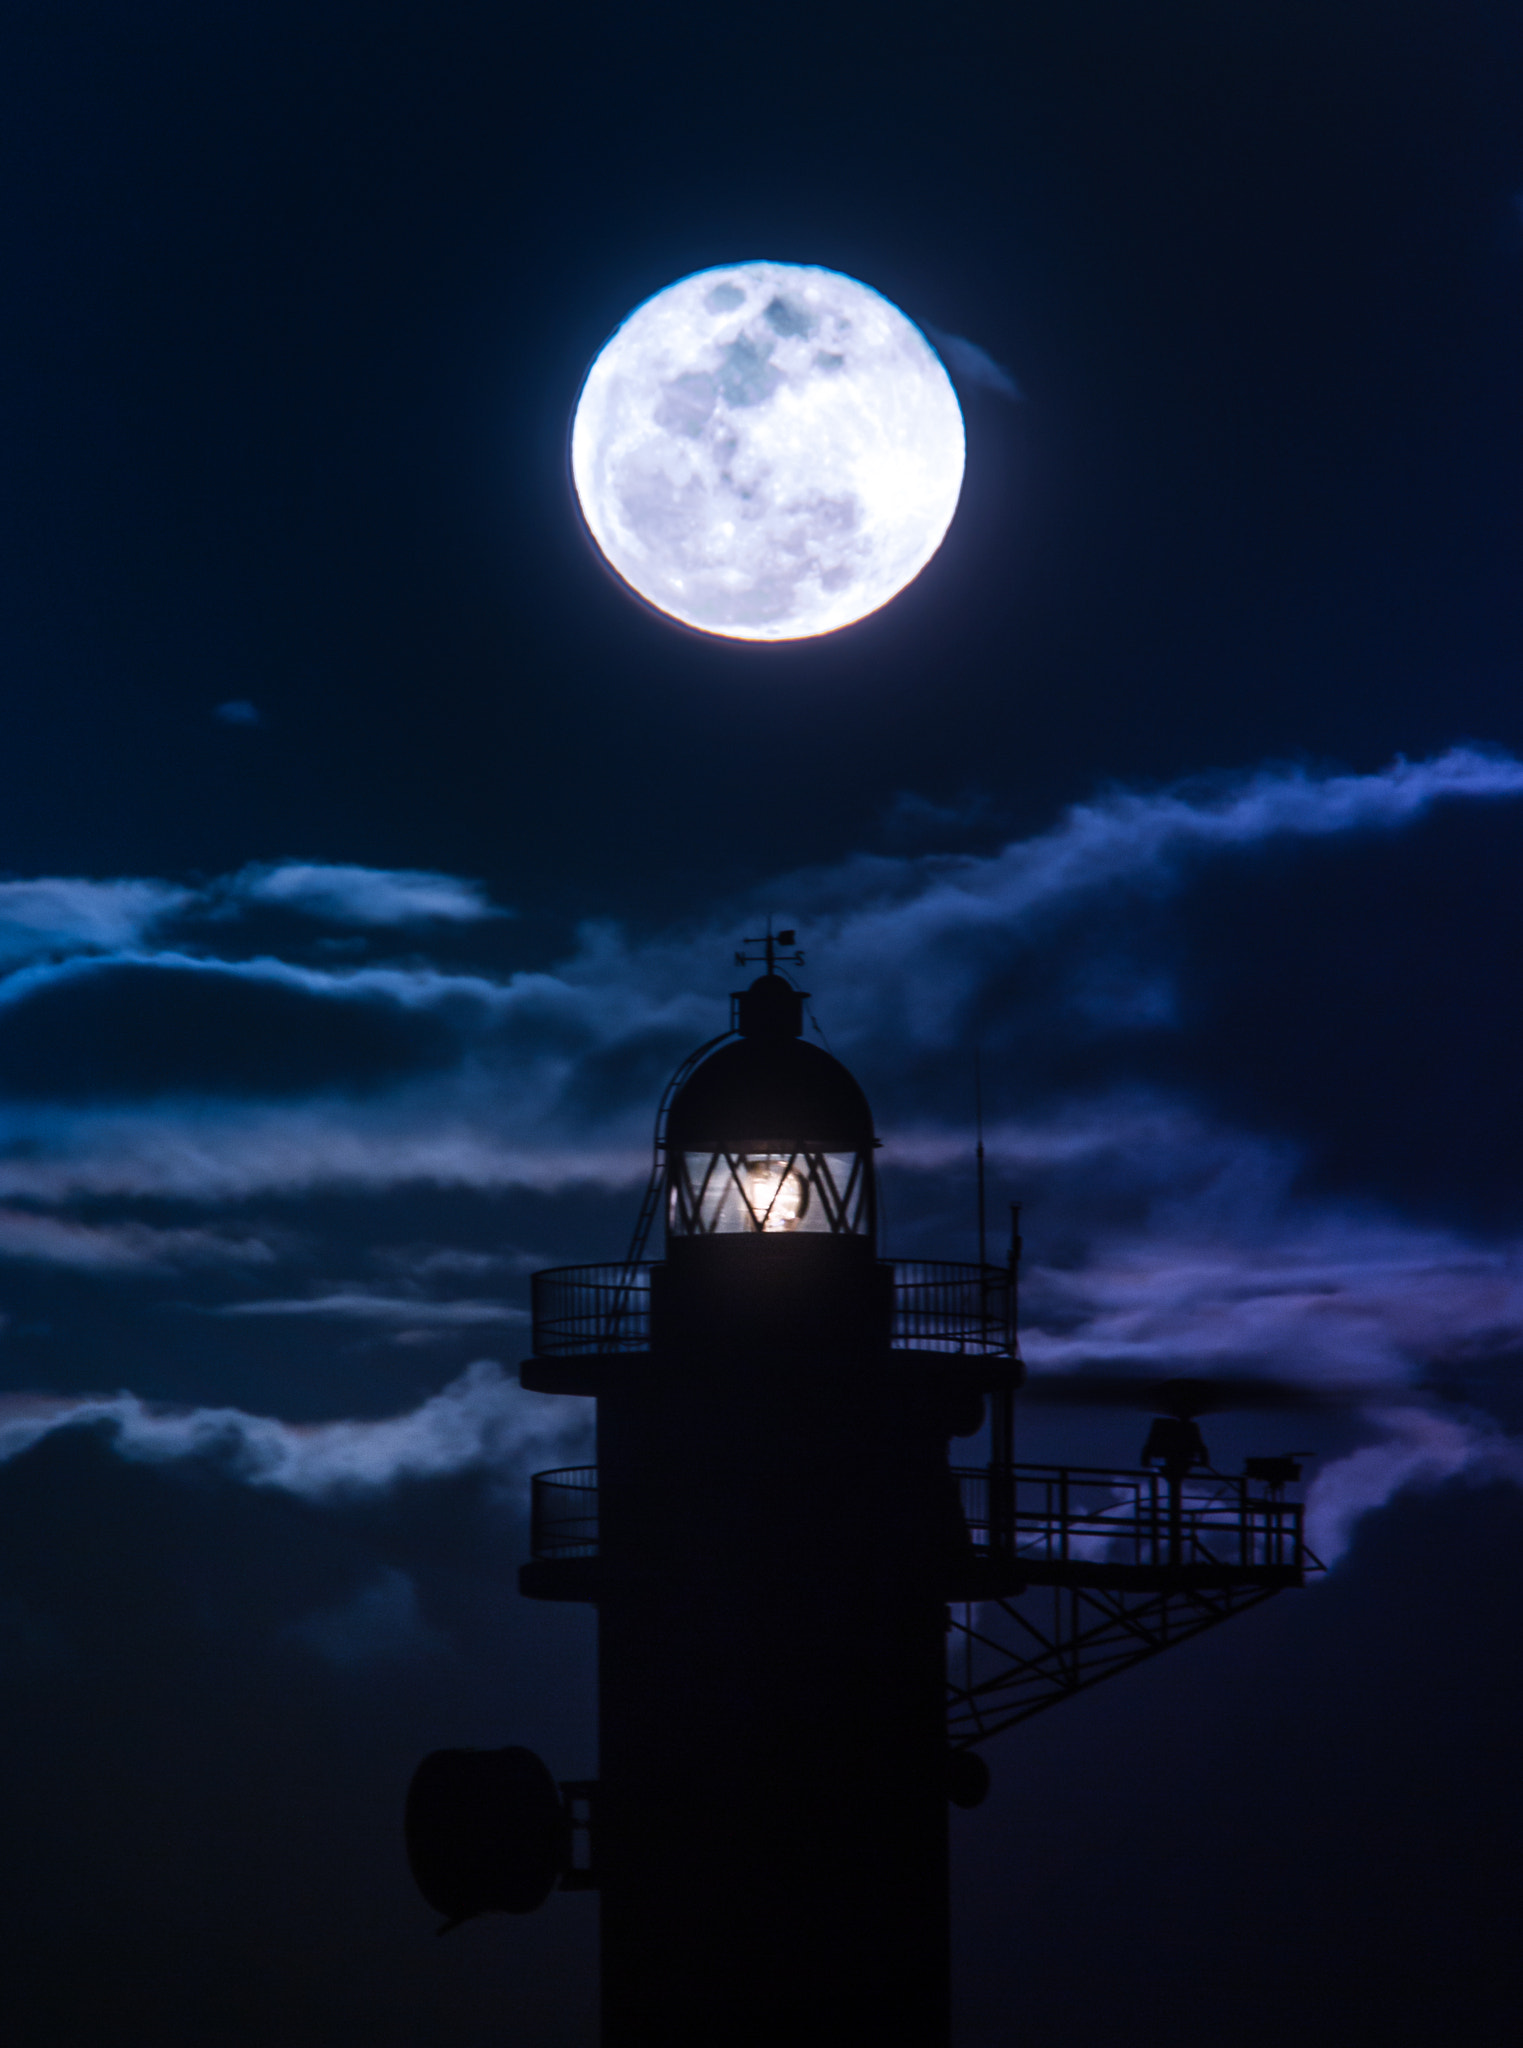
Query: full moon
{"x": 767, "y": 451}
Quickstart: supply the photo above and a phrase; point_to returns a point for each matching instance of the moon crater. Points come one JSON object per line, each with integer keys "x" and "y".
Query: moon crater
{"x": 767, "y": 451}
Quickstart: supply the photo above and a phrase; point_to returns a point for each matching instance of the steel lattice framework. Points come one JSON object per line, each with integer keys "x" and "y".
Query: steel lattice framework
{"x": 1076, "y": 1574}
{"x": 1021, "y": 1655}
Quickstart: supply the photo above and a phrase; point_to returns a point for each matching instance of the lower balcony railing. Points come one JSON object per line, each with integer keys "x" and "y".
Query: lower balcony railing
{"x": 1048, "y": 1524}
{"x": 1055, "y": 1521}
{"x": 563, "y": 1512}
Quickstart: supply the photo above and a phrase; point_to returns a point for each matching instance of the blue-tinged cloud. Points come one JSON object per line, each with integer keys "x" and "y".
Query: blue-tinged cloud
{"x": 922, "y": 933}
{"x": 66, "y": 914}
{"x": 1187, "y": 1239}
{"x": 546, "y": 1079}
{"x": 363, "y": 896}
{"x": 352, "y": 1305}
{"x": 124, "y": 1247}
{"x": 117, "y": 1028}
{"x": 1202, "y": 1254}
{"x": 969, "y": 364}
{"x": 1417, "y": 1450}
{"x": 482, "y": 1421}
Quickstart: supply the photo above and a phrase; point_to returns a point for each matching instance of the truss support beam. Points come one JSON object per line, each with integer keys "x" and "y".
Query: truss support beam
{"x": 1013, "y": 1658}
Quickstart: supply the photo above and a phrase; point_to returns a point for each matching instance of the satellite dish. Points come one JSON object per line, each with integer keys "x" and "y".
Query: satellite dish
{"x": 486, "y": 1832}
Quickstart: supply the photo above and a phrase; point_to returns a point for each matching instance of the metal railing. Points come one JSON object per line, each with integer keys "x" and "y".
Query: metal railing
{"x": 939, "y": 1305}
{"x": 581, "y": 1311}
{"x": 948, "y": 1305}
{"x": 1052, "y": 1518}
{"x": 563, "y": 1512}
{"x": 1065, "y": 1522}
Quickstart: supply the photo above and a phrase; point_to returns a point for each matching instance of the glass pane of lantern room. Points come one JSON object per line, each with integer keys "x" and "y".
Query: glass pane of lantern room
{"x": 846, "y": 1178}
{"x": 776, "y": 1192}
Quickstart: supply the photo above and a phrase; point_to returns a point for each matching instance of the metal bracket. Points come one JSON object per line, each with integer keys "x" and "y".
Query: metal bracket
{"x": 580, "y": 1798}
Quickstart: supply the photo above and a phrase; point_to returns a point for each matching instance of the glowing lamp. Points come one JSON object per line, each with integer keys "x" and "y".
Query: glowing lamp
{"x": 771, "y": 1136}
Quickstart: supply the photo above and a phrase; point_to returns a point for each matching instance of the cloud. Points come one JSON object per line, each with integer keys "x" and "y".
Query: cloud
{"x": 239, "y": 711}
{"x": 356, "y": 1306}
{"x": 173, "y": 1024}
{"x": 546, "y": 1079}
{"x": 920, "y": 933}
{"x": 430, "y": 1261}
{"x": 382, "y": 1624}
{"x": 1419, "y": 1449}
{"x": 969, "y": 364}
{"x": 482, "y": 1421}
{"x": 364, "y": 896}
{"x": 1325, "y": 1297}
{"x": 1189, "y": 1246}
{"x": 67, "y": 914}
{"x": 122, "y": 1247}
{"x": 1165, "y": 1235}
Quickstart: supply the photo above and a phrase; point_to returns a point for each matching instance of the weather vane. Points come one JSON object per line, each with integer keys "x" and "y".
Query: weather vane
{"x": 769, "y": 955}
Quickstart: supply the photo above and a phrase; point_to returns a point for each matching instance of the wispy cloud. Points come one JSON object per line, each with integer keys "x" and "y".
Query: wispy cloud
{"x": 1325, "y": 1297}
{"x": 364, "y": 896}
{"x": 60, "y": 915}
{"x": 122, "y": 1247}
{"x": 545, "y": 1079}
{"x": 1418, "y": 1449}
{"x": 970, "y": 364}
{"x": 354, "y": 1306}
{"x": 1185, "y": 1242}
{"x": 68, "y": 913}
{"x": 920, "y": 933}
{"x": 481, "y": 1421}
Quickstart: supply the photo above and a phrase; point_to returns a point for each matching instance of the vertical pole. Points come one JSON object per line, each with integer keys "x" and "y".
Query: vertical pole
{"x": 1014, "y": 1262}
{"x": 978, "y": 1119}
{"x": 1002, "y": 1402}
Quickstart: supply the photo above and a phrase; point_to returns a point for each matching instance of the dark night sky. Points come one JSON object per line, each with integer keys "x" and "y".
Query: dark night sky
{"x": 368, "y": 858}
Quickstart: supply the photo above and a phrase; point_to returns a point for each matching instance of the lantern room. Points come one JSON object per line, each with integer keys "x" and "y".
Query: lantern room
{"x": 770, "y": 1135}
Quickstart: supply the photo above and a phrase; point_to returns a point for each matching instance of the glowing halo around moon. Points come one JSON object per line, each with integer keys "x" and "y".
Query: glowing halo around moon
{"x": 767, "y": 451}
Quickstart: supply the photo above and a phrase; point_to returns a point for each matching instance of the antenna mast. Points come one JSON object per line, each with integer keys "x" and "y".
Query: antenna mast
{"x": 978, "y": 1117}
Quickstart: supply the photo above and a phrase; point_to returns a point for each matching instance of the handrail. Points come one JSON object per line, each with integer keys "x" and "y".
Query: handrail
{"x": 591, "y": 1311}
{"x": 952, "y": 1305}
{"x": 1055, "y": 1516}
{"x": 940, "y": 1305}
{"x": 1066, "y": 1523}
{"x": 651, "y": 1199}
{"x": 563, "y": 1512}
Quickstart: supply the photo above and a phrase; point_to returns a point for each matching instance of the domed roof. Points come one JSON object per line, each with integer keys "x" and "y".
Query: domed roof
{"x": 769, "y": 1087}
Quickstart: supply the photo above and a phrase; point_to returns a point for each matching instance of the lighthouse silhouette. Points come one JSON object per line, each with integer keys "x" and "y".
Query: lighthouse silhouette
{"x": 775, "y": 1542}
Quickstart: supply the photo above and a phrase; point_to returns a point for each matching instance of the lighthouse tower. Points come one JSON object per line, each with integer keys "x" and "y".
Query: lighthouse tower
{"x": 778, "y": 1546}
{"x": 775, "y": 1528}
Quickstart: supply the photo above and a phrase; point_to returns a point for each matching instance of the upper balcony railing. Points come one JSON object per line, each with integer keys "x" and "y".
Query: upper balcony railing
{"x": 947, "y": 1305}
{"x": 584, "y": 1311}
{"x": 939, "y": 1305}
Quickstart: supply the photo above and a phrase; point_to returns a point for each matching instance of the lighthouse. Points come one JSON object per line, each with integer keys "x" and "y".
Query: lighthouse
{"x": 779, "y": 1547}
{"x": 776, "y": 1527}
